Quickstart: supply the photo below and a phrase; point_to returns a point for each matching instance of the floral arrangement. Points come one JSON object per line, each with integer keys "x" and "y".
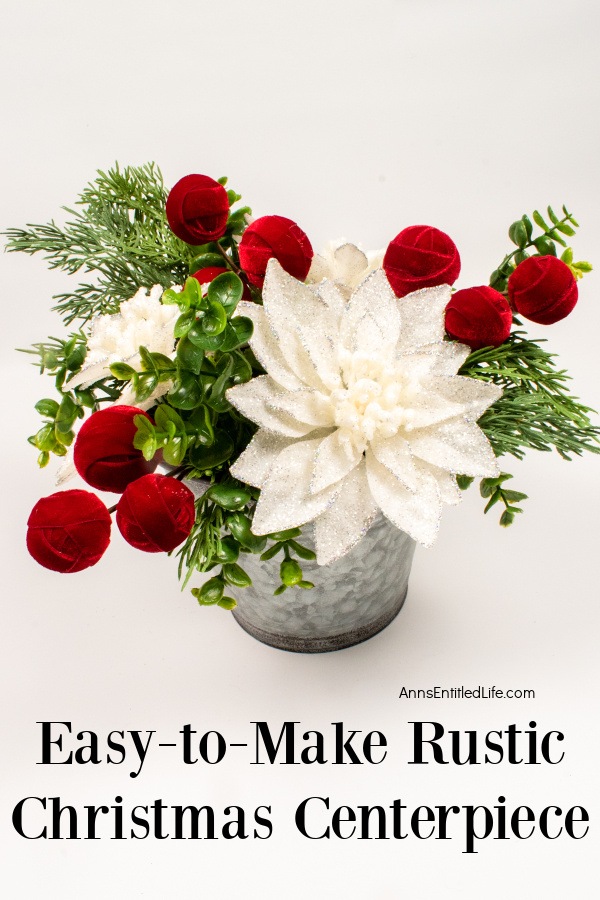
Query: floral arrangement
{"x": 277, "y": 387}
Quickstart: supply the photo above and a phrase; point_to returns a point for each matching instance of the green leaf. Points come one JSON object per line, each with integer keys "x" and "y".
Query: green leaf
{"x": 307, "y": 585}
{"x": 272, "y": 551}
{"x": 145, "y": 383}
{"x": 148, "y": 364}
{"x": 514, "y": 496}
{"x": 278, "y": 591}
{"x": 302, "y": 552}
{"x": 186, "y": 392}
{"x": 198, "y": 336}
{"x": 43, "y": 459}
{"x": 206, "y": 261}
{"x": 228, "y": 496}
{"x": 567, "y": 256}
{"x": 235, "y": 575}
{"x": 184, "y": 323}
{"x": 171, "y": 298}
{"x": 239, "y": 525}
{"x": 204, "y": 458}
{"x": 66, "y": 414}
{"x": 487, "y": 487}
{"x": 175, "y": 449}
{"x": 545, "y": 247}
{"x": 507, "y": 518}
{"x": 566, "y": 229}
{"x": 210, "y": 592}
{"x": 518, "y": 233}
{"x": 214, "y": 321}
{"x": 553, "y": 217}
{"x": 496, "y": 496}
{"x": 229, "y": 551}
{"x": 65, "y": 438}
{"x": 286, "y": 535}
{"x": 226, "y": 290}
{"x": 45, "y": 438}
{"x": 121, "y": 371}
{"x": 583, "y": 266}
{"x": 464, "y": 481}
{"x": 166, "y": 415}
{"x": 290, "y": 572}
{"x": 227, "y": 603}
{"x": 47, "y": 407}
{"x": 189, "y": 356}
{"x": 539, "y": 220}
{"x": 528, "y": 226}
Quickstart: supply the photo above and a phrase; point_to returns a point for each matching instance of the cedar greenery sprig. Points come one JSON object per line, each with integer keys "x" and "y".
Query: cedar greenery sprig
{"x": 536, "y": 410}
{"x": 120, "y": 233}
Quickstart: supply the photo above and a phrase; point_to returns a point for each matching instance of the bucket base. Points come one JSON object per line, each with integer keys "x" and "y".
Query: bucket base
{"x": 299, "y": 644}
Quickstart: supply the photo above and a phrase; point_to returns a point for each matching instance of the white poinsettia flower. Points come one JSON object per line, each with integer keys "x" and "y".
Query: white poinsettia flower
{"x": 361, "y": 410}
{"x": 141, "y": 321}
{"x": 344, "y": 264}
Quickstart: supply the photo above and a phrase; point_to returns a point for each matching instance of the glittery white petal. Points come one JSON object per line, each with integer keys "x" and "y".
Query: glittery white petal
{"x": 471, "y": 396}
{"x": 285, "y": 499}
{"x": 394, "y": 453}
{"x": 450, "y": 492}
{"x": 415, "y": 512}
{"x": 336, "y": 456}
{"x": 312, "y": 407}
{"x": 351, "y": 263}
{"x": 266, "y": 347}
{"x": 422, "y": 316}
{"x": 370, "y": 323}
{"x": 331, "y": 295}
{"x": 257, "y": 399}
{"x": 347, "y": 519}
{"x": 457, "y": 446}
{"x": 255, "y": 463}
{"x": 303, "y": 323}
{"x": 443, "y": 358}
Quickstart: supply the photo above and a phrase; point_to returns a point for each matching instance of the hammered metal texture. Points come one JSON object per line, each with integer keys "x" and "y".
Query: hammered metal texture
{"x": 353, "y": 598}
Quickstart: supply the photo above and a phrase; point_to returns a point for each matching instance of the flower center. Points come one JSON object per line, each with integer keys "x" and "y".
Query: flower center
{"x": 376, "y": 400}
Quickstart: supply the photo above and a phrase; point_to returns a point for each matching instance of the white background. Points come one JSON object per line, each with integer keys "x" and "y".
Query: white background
{"x": 354, "y": 119}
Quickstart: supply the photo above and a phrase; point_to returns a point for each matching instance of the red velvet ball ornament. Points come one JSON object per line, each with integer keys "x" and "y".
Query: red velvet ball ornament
{"x": 156, "y": 513}
{"x": 543, "y": 289}
{"x": 274, "y": 237}
{"x": 420, "y": 257}
{"x": 104, "y": 454}
{"x": 479, "y": 317}
{"x": 68, "y": 531}
{"x": 197, "y": 209}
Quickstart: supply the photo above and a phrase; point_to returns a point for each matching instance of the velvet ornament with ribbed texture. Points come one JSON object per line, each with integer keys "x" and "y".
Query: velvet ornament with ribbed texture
{"x": 420, "y": 257}
{"x": 197, "y": 209}
{"x": 274, "y": 237}
{"x": 479, "y": 317}
{"x": 156, "y": 513}
{"x": 104, "y": 454}
{"x": 68, "y": 531}
{"x": 543, "y": 289}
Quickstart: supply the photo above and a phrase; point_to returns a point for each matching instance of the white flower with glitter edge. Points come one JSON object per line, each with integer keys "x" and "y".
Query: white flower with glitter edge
{"x": 345, "y": 264}
{"x": 141, "y": 321}
{"x": 361, "y": 410}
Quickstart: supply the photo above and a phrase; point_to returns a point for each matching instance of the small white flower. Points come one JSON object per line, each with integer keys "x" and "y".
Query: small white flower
{"x": 361, "y": 410}
{"x": 141, "y": 321}
{"x": 344, "y": 264}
